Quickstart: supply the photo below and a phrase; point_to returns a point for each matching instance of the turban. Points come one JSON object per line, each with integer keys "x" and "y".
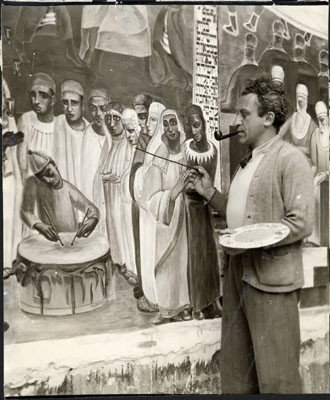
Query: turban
{"x": 321, "y": 109}
{"x": 301, "y": 90}
{"x": 277, "y": 74}
{"x": 43, "y": 79}
{"x": 38, "y": 161}
{"x": 73, "y": 87}
{"x": 99, "y": 92}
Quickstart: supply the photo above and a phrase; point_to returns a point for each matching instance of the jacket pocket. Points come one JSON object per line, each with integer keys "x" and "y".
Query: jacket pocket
{"x": 275, "y": 268}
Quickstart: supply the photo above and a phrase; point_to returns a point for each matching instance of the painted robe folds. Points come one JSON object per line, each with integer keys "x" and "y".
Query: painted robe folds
{"x": 118, "y": 201}
{"x": 171, "y": 258}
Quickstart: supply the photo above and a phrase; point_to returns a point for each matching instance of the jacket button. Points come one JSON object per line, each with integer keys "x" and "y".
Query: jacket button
{"x": 249, "y": 216}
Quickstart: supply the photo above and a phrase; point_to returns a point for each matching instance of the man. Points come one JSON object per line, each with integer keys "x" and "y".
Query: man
{"x": 37, "y": 124}
{"x": 70, "y": 128}
{"x": 298, "y": 129}
{"x": 260, "y": 317}
{"x": 137, "y": 190}
{"x": 141, "y": 104}
{"x": 93, "y": 139}
{"x": 164, "y": 201}
{"x": 203, "y": 266}
{"x": 46, "y": 190}
{"x": 115, "y": 167}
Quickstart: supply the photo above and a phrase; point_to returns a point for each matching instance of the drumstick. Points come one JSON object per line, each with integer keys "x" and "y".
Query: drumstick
{"x": 53, "y": 225}
{"x": 87, "y": 212}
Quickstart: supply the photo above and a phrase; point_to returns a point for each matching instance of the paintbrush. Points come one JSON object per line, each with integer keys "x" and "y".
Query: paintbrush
{"x": 53, "y": 225}
{"x": 83, "y": 221}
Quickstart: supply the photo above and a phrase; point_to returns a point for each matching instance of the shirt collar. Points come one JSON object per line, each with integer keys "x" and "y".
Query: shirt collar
{"x": 262, "y": 149}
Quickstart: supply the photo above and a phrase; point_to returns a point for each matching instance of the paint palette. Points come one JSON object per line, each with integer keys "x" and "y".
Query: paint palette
{"x": 255, "y": 236}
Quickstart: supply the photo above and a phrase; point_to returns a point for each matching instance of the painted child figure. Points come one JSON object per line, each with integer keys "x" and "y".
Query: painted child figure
{"x": 203, "y": 266}
{"x": 46, "y": 192}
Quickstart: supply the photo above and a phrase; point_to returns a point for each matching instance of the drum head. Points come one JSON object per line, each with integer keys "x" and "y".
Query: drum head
{"x": 39, "y": 250}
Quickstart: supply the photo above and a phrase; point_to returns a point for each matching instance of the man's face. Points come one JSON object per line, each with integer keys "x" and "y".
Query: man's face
{"x": 152, "y": 125}
{"x": 72, "y": 106}
{"x": 51, "y": 177}
{"x": 42, "y": 99}
{"x": 171, "y": 129}
{"x": 131, "y": 134}
{"x": 142, "y": 113}
{"x": 114, "y": 123}
{"x": 301, "y": 103}
{"x": 96, "y": 109}
{"x": 249, "y": 125}
{"x": 196, "y": 125}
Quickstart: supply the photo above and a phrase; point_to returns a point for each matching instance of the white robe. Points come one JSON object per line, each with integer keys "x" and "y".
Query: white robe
{"x": 118, "y": 202}
{"x": 12, "y": 195}
{"x": 171, "y": 247}
{"x": 91, "y": 150}
{"x": 67, "y": 150}
{"x": 38, "y": 136}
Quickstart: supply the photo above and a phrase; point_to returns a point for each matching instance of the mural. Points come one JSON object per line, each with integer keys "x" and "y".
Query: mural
{"x": 112, "y": 264}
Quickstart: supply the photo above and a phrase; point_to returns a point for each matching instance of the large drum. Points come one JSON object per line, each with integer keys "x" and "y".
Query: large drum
{"x": 56, "y": 280}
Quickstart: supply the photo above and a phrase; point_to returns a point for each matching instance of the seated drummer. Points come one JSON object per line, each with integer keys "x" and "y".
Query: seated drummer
{"x": 46, "y": 192}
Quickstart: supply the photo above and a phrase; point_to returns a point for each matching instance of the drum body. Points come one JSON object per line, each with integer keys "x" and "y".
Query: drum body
{"x": 56, "y": 280}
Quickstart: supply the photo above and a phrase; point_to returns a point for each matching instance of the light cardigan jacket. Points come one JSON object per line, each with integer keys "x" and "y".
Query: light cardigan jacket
{"x": 281, "y": 191}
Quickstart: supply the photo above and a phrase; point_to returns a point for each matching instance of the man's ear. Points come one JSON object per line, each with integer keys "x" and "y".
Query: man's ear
{"x": 53, "y": 100}
{"x": 269, "y": 119}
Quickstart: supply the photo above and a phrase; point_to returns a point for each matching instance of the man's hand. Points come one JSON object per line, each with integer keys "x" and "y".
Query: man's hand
{"x": 201, "y": 182}
{"x": 87, "y": 228}
{"x": 110, "y": 178}
{"x": 47, "y": 231}
{"x": 10, "y": 139}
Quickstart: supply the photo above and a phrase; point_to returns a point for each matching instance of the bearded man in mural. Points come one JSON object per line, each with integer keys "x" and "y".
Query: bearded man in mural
{"x": 203, "y": 266}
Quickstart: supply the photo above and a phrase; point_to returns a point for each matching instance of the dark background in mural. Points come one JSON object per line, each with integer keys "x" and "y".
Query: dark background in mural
{"x": 125, "y": 76}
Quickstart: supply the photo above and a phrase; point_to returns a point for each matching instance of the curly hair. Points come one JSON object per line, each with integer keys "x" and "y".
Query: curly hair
{"x": 271, "y": 98}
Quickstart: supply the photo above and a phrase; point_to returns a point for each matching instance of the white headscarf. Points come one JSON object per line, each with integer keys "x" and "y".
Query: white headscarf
{"x": 180, "y": 126}
{"x": 155, "y": 110}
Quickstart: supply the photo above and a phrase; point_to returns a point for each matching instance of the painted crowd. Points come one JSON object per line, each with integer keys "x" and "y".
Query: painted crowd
{"x": 127, "y": 168}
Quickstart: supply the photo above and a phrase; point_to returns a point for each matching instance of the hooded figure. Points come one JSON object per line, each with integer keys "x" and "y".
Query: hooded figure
{"x": 145, "y": 231}
{"x": 320, "y": 158}
{"x": 298, "y": 129}
{"x": 168, "y": 284}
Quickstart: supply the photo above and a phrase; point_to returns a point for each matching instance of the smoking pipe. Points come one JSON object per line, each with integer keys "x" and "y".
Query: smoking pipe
{"x": 233, "y": 130}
